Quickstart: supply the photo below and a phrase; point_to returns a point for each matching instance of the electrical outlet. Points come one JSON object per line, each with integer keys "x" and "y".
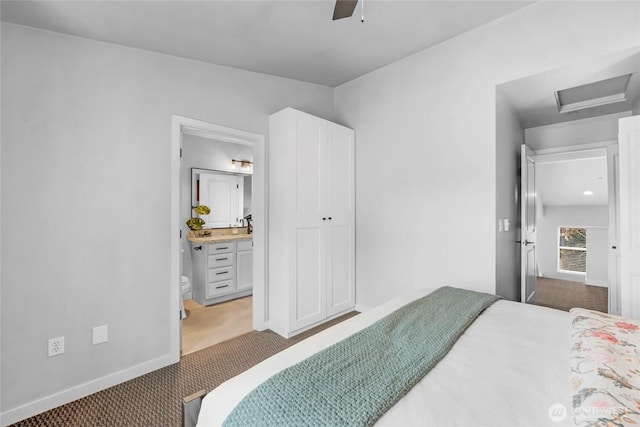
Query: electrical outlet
{"x": 56, "y": 346}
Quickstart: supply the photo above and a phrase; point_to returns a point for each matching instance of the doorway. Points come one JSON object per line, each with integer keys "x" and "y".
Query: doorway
{"x": 572, "y": 230}
{"x": 567, "y": 211}
{"x": 207, "y": 134}
{"x": 211, "y": 176}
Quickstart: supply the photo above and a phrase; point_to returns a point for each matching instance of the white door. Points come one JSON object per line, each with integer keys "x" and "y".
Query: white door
{"x": 308, "y": 266}
{"x": 340, "y": 223}
{"x": 528, "y": 225}
{"x": 613, "y": 181}
{"x": 224, "y": 194}
{"x": 629, "y": 145}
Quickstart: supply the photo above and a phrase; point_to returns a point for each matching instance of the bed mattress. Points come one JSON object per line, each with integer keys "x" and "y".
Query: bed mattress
{"x": 510, "y": 368}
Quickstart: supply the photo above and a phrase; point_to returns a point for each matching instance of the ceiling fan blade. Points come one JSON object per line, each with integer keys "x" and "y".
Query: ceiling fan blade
{"x": 344, "y": 9}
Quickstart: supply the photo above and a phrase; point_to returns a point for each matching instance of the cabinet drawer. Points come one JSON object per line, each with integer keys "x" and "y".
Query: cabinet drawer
{"x": 244, "y": 245}
{"x": 221, "y": 248}
{"x": 218, "y": 288}
{"x": 220, "y": 260}
{"x": 218, "y": 274}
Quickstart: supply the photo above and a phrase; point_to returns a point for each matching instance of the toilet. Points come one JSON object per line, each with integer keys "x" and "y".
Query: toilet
{"x": 185, "y": 288}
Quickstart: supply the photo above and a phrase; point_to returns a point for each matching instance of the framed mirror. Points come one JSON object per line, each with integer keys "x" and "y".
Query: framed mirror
{"x": 228, "y": 195}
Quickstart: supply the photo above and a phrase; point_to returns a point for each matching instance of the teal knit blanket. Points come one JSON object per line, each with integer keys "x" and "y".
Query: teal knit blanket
{"x": 355, "y": 381}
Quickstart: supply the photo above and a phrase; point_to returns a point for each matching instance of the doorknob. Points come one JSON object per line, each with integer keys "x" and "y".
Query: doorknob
{"x": 527, "y": 243}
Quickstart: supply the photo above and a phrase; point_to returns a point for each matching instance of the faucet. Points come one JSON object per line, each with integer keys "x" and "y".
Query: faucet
{"x": 241, "y": 222}
{"x": 249, "y": 226}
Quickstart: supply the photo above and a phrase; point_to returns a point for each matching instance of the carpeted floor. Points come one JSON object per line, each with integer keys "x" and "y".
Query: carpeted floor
{"x": 154, "y": 399}
{"x": 564, "y": 295}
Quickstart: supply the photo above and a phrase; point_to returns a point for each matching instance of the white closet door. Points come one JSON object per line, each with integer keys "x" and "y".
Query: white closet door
{"x": 308, "y": 268}
{"x": 340, "y": 219}
{"x": 223, "y": 194}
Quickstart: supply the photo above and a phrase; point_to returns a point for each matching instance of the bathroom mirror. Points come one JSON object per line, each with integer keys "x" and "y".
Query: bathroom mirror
{"x": 228, "y": 195}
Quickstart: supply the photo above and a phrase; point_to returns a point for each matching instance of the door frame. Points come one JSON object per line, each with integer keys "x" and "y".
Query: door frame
{"x": 180, "y": 126}
{"x": 599, "y": 149}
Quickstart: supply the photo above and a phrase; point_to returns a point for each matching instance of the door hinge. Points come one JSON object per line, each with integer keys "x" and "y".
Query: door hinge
{"x": 181, "y": 153}
{"x": 237, "y": 186}
{"x": 181, "y": 234}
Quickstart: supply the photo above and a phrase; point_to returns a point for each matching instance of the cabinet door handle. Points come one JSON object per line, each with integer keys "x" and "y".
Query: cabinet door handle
{"x": 221, "y": 259}
{"x": 329, "y": 217}
{"x": 324, "y": 219}
{"x": 222, "y": 272}
{"x": 220, "y": 249}
{"x": 220, "y": 287}
{"x": 197, "y": 248}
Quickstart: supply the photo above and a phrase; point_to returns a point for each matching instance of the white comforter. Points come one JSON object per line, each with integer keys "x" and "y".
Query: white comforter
{"x": 508, "y": 369}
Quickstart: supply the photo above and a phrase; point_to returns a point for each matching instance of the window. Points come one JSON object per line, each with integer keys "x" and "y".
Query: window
{"x": 572, "y": 250}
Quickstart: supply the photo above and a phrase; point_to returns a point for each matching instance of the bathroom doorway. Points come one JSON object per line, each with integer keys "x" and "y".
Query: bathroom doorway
{"x": 207, "y": 150}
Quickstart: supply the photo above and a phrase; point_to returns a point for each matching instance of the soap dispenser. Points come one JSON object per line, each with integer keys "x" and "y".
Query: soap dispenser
{"x": 234, "y": 230}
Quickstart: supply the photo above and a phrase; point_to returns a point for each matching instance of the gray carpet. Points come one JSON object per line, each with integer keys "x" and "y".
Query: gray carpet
{"x": 155, "y": 399}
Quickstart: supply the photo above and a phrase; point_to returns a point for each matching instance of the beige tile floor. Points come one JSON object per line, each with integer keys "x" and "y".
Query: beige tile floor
{"x": 206, "y": 326}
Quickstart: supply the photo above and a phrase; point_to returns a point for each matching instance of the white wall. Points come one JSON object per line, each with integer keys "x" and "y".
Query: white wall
{"x": 577, "y": 132}
{"x": 572, "y": 216}
{"x": 509, "y": 138}
{"x": 597, "y": 257}
{"x": 426, "y": 142}
{"x": 85, "y": 197}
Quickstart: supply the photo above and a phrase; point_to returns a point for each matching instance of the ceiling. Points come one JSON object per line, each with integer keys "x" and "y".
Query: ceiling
{"x": 292, "y": 39}
{"x": 564, "y": 183}
{"x": 533, "y": 98}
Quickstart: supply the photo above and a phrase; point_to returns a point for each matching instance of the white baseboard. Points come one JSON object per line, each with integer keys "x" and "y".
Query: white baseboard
{"x": 36, "y": 407}
{"x": 362, "y": 308}
{"x": 601, "y": 283}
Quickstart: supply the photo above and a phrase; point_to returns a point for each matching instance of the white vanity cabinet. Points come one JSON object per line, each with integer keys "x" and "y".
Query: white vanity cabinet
{"x": 215, "y": 272}
{"x": 311, "y": 221}
{"x": 244, "y": 265}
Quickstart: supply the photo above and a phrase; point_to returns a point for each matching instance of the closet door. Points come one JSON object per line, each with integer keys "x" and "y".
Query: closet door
{"x": 309, "y": 248}
{"x": 340, "y": 219}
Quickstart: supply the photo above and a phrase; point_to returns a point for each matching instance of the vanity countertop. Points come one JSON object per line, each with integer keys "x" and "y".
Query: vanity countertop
{"x": 219, "y": 235}
{"x": 221, "y": 238}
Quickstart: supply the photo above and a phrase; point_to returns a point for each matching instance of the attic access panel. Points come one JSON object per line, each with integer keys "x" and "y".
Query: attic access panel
{"x": 594, "y": 94}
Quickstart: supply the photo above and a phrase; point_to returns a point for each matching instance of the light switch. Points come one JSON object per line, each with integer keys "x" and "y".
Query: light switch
{"x": 100, "y": 334}
{"x": 506, "y": 224}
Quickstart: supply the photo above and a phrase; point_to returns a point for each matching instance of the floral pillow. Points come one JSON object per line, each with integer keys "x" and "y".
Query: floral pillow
{"x": 605, "y": 369}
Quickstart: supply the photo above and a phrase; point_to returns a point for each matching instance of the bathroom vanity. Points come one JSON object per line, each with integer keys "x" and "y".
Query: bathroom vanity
{"x": 222, "y": 267}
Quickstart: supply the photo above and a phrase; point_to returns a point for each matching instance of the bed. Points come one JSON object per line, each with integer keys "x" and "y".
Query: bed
{"x": 509, "y": 368}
